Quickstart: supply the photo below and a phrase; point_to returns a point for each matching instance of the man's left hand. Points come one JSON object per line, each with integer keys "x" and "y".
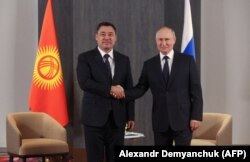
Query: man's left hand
{"x": 194, "y": 124}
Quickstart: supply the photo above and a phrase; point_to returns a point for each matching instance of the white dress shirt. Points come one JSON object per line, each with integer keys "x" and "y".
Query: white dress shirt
{"x": 111, "y": 60}
{"x": 170, "y": 60}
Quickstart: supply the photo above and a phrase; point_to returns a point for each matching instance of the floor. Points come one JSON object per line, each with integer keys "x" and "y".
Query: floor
{"x": 6, "y": 159}
{"x": 77, "y": 155}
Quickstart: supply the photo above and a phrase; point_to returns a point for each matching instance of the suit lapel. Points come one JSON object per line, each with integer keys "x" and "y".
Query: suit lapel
{"x": 98, "y": 61}
{"x": 158, "y": 70}
{"x": 118, "y": 65}
{"x": 173, "y": 69}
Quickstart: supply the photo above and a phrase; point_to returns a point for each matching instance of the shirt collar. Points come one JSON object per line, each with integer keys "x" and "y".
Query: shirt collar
{"x": 170, "y": 55}
{"x": 103, "y": 53}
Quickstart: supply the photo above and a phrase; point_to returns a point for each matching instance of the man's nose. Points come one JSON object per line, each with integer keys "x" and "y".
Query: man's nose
{"x": 106, "y": 37}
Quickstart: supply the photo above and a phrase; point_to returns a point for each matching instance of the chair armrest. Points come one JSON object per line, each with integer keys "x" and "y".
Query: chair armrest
{"x": 54, "y": 130}
{"x": 13, "y": 135}
{"x": 224, "y": 135}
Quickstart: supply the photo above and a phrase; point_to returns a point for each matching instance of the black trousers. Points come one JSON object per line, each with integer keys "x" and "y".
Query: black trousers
{"x": 180, "y": 138}
{"x": 102, "y": 140}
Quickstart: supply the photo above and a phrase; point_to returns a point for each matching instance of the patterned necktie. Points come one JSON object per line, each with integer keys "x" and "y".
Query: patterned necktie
{"x": 106, "y": 61}
{"x": 166, "y": 69}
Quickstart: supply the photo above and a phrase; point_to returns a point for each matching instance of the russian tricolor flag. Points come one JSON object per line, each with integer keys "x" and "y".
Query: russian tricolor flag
{"x": 187, "y": 45}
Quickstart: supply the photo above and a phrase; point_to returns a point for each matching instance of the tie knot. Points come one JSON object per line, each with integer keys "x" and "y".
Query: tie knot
{"x": 106, "y": 56}
{"x": 165, "y": 58}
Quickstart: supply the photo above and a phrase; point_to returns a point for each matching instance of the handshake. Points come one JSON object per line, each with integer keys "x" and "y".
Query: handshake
{"x": 117, "y": 92}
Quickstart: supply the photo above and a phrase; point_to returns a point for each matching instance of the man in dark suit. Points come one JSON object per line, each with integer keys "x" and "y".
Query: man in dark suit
{"x": 103, "y": 116}
{"x": 176, "y": 89}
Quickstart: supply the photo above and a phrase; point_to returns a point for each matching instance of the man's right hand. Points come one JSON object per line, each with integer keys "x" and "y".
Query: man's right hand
{"x": 117, "y": 92}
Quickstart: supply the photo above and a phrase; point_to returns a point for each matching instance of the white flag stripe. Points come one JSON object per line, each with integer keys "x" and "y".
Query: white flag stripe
{"x": 187, "y": 30}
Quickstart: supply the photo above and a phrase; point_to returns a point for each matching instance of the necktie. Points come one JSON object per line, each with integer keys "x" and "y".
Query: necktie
{"x": 106, "y": 61}
{"x": 166, "y": 69}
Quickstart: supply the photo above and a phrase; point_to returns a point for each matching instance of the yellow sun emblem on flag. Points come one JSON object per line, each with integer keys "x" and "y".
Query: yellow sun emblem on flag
{"x": 47, "y": 72}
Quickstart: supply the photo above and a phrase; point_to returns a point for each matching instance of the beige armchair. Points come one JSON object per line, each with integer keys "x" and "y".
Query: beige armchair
{"x": 35, "y": 134}
{"x": 215, "y": 129}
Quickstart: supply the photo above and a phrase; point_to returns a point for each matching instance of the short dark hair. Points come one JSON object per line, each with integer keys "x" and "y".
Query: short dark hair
{"x": 105, "y": 24}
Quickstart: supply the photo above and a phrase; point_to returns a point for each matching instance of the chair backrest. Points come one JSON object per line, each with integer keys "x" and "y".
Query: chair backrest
{"x": 29, "y": 124}
{"x": 32, "y": 124}
{"x": 212, "y": 123}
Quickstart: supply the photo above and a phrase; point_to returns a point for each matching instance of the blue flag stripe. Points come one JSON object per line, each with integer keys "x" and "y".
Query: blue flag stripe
{"x": 190, "y": 48}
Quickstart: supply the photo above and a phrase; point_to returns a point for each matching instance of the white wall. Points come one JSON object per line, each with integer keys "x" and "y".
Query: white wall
{"x": 225, "y": 62}
{"x": 18, "y": 45}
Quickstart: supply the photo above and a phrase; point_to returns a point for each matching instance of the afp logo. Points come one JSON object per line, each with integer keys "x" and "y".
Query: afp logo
{"x": 234, "y": 154}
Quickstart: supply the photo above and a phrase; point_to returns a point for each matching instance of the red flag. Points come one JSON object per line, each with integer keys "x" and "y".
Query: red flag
{"x": 47, "y": 90}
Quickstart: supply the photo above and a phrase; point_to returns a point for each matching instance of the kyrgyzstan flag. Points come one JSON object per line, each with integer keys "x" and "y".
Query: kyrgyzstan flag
{"x": 47, "y": 90}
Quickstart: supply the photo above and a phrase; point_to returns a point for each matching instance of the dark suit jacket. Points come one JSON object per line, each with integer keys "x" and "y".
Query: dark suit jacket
{"x": 97, "y": 102}
{"x": 176, "y": 103}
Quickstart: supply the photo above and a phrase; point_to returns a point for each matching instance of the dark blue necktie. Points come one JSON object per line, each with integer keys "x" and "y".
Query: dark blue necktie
{"x": 106, "y": 61}
{"x": 166, "y": 69}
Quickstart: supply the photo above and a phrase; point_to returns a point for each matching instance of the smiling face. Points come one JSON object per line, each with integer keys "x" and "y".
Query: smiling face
{"x": 165, "y": 40}
{"x": 106, "y": 38}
